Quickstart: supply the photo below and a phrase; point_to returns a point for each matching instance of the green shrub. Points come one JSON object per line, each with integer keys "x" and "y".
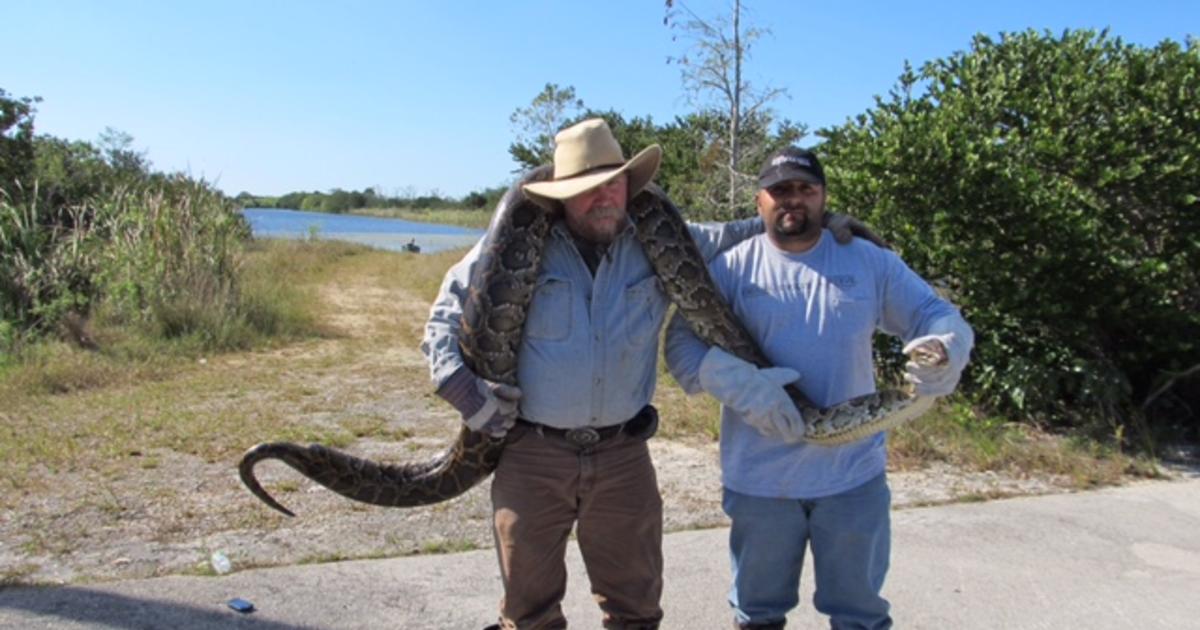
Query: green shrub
{"x": 169, "y": 261}
{"x": 46, "y": 264}
{"x": 1049, "y": 184}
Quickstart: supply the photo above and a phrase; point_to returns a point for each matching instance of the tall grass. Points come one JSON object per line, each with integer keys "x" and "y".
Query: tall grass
{"x": 162, "y": 260}
{"x": 169, "y": 264}
{"x": 45, "y": 265}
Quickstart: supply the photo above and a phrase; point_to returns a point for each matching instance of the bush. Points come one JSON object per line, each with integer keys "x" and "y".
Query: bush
{"x": 89, "y": 230}
{"x": 1049, "y": 184}
{"x": 16, "y": 138}
{"x": 169, "y": 263}
{"x": 46, "y": 264}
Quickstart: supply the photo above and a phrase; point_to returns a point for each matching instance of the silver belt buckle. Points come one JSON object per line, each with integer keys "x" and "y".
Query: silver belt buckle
{"x": 583, "y": 436}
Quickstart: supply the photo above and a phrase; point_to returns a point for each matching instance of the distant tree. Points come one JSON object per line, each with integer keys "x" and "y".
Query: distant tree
{"x": 432, "y": 199}
{"x": 69, "y": 171}
{"x": 485, "y": 199}
{"x": 16, "y": 140}
{"x": 714, "y": 79}
{"x": 291, "y": 201}
{"x": 475, "y": 199}
{"x": 312, "y": 202}
{"x": 117, "y": 148}
{"x": 246, "y": 199}
{"x": 535, "y": 126}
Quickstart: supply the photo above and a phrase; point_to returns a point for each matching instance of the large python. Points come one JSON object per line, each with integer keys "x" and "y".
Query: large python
{"x": 500, "y": 291}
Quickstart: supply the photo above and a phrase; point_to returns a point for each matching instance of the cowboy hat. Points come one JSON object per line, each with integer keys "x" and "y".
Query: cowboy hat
{"x": 587, "y": 155}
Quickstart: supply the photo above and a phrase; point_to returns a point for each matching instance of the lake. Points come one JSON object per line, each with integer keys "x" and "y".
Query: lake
{"x": 391, "y": 234}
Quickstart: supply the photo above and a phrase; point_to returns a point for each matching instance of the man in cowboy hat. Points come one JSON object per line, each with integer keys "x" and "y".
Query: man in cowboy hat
{"x": 577, "y": 426}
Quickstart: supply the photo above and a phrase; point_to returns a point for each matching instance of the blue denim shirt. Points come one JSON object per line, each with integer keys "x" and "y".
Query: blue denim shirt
{"x": 590, "y": 346}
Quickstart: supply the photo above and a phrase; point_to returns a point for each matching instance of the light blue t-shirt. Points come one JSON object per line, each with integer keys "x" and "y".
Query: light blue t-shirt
{"x": 815, "y": 312}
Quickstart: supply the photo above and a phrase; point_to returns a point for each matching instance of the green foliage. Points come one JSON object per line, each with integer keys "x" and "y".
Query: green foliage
{"x": 1049, "y": 184}
{"x": 695, "y": 167}
{"x": 169, "y": 263}
{"x": 127, "y": 164}
{"x": 537, "y": 124}
{"x": 16, "y": 138}
{"x": 89, "y": 230}
{"x": 485, "y": 199}
{"x": 45, "y": 264}
{"x": 69, "y": 172}
{"x": 338, "y": 201}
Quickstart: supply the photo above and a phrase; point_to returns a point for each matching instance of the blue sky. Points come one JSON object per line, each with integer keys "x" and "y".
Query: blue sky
{"x": 407, "y": 96}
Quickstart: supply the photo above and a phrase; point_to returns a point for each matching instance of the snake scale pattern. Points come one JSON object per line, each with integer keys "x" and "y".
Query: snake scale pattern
{"x": 501, "y": 289}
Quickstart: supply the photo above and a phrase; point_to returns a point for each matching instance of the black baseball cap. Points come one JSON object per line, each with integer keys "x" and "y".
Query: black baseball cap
{"x": 791, "y": 163}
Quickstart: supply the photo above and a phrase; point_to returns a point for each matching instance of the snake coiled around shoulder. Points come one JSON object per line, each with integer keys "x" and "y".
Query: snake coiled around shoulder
{"x": 500, "y": 291}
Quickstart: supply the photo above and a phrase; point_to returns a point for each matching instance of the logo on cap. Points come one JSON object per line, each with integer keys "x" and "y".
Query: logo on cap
{"x": 784, "y": 159}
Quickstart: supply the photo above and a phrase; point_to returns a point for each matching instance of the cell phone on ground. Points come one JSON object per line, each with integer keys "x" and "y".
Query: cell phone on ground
{"x": 240, "y": 605}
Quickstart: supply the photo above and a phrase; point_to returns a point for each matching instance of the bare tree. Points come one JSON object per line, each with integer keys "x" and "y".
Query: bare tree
{"x": 714, "y": 78}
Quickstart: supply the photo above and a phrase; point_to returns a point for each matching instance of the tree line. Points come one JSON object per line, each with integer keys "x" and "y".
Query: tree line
{"x": 338, "y": 201}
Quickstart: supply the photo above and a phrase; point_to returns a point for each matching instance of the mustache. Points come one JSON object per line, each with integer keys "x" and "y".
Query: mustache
{"x": 604, "y": 212}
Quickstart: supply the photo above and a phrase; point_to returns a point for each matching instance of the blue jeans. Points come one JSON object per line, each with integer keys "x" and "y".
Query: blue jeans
{"x": 850, "y": 534}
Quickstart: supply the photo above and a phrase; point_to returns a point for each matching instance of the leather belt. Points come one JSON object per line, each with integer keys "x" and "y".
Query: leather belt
{"x": 586, "y": 437}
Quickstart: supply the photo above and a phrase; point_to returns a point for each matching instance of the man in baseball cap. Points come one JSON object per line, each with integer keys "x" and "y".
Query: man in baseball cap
{"x": 814, "y": 307}
{"x": 791, "y": 163}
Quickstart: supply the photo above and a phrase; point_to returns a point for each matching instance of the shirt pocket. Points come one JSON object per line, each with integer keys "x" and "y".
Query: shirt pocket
{"x": 853, "y": 312}
{"x": 549, "y": 316}
{"x": 644, "y": 307}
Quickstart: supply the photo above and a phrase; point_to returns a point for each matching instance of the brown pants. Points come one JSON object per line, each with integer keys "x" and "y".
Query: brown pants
{"x": 541, "y": 488}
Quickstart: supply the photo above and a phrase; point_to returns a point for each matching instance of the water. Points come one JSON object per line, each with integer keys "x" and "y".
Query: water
{"x": 392, "y": 234}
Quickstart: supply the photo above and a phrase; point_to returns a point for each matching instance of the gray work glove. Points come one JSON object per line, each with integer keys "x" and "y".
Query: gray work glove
{"x": 485, "y": 406}
{"x": 846, "y": 227}
{"x": 937, "y": 359}
{"x": 756, "y": 394}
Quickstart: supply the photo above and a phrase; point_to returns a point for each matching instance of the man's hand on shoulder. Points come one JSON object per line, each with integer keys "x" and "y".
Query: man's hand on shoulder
{"x": 846, "y": 227}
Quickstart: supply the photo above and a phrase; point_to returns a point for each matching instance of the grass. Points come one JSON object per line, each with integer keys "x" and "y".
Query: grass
{"x": 374, "y": 426}
{"x": 70, "y": 409}
{"x": 448, "y": 546}
{"x": 16, "y": 575}
{"x": 964, "y": 437}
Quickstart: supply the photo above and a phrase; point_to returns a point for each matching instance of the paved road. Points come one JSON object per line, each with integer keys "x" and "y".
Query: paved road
{"x": 1121, "y": 558}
